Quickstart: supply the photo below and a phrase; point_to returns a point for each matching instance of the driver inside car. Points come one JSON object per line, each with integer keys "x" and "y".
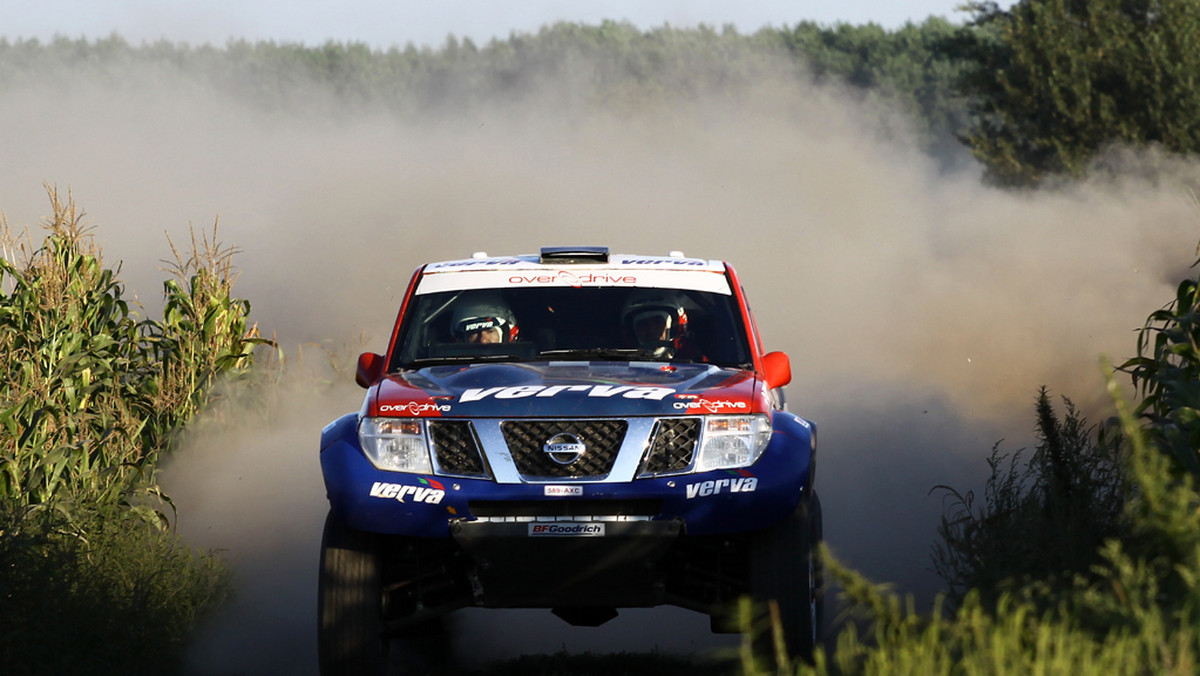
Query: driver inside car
{"x": 658, "y": 324}
{"x": 483, "y": 321}
{"x": 652, "y": 328}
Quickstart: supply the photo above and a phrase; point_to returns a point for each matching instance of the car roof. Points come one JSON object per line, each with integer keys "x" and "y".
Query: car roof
{"x": 584, "y": 256}
{"x": 575, "y": 266}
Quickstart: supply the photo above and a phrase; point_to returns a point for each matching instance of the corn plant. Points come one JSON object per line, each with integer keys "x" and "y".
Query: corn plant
{"x": 205, "y": 332}
{"x": 1166, "y": 373}
{"x": 75, "y": 369}
{"x": 91, "y": 393}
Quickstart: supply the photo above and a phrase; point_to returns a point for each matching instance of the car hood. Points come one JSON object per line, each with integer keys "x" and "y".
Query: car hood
{"x": 567, "y": 389}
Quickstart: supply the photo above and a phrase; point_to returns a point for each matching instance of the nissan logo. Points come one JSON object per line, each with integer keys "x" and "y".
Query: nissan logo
{"x": 564, "y": 448}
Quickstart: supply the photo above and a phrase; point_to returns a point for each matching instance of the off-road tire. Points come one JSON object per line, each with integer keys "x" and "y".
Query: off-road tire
{"x": 785, "y": 569}
{"x": 350, "y": 602}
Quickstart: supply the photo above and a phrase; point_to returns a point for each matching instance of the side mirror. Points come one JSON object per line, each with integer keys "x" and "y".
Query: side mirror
{"x": 370, "y": 369}
{"x": 777, "y": 368}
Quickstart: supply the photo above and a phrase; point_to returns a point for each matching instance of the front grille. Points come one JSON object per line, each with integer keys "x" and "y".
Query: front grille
{"x": 564, "y": 508}
{"x": 526, "y": 440}
{"x": 674, "y": 442}
{"x": 455, "y": 449}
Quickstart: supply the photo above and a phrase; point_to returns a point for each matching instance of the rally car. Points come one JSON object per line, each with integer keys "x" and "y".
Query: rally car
{"x": 572, "y": 430}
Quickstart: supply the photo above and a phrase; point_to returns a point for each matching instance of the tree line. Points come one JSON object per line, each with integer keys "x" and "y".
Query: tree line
{"x": 1036, "y": 92}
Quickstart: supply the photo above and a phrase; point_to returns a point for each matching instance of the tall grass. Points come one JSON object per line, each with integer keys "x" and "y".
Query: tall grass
{"x": 1136, "y": 611}
{"x": 92, "y": 580}
{"x": 1043, "y": 520}
{"x": 1050, "y": 578}
{"x": 101, "y": 593}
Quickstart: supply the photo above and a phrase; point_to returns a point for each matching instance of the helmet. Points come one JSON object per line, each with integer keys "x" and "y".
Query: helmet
{"x": 473, "y": 319}
{"x": 655, "y": 321}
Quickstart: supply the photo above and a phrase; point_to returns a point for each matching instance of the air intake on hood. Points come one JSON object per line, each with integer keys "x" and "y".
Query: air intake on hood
{"x": 574, "y": 254}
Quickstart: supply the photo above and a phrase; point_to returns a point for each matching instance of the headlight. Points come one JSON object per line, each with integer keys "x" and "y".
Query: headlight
{"x": 732, "y": 441}
{"x": 395, "y": 444}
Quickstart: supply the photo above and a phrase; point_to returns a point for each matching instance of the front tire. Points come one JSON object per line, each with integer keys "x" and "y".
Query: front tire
{"x": 785, "y": 568}
{"x": 349, "y": 602}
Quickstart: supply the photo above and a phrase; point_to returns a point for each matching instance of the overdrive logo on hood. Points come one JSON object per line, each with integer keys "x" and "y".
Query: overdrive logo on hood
{"x": 415, "y": 408}
{"x": 712, "y": 405}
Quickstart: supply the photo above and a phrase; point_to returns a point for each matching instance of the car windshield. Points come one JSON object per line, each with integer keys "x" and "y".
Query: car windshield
{"x": 569, "y": 323}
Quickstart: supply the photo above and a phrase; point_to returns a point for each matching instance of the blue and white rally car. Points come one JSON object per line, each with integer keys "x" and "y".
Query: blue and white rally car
{"x": 575, "y": 430}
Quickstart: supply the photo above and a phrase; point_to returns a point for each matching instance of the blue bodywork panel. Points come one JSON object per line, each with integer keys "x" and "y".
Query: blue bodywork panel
{"x": 714, "y": 502}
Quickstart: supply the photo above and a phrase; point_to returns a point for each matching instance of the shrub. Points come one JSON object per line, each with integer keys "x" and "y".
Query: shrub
{"x": 1042, "y": 522}
{"x": 1134, "y": 613}
{"x": 1027, "y": 603}
{"x": 98, "y": 591}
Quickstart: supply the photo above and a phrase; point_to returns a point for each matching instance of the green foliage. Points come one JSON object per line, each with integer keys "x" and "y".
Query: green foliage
{"x": 1036, "y": 91}
{"x": 579, "y": 66}
{"x": 612, "y": 65}
{"x": 98, "y": 591}
{"x": 1056, "y": 81}
{"x": 1135, "y": 612}
{"x": 1105, "y": 593}
{"x": 1041, "y": 525}
{"x": 91, "y": 395}
{"x": 91, "y": 578}
{"x": 205, "y": 333}
{"x": 1011, "y": 638}
{"x": 909, "y": 65}
{"x": 1166, "y": 373}
{"x": 76, "y": 375}
{"x": 1163, "y": 555}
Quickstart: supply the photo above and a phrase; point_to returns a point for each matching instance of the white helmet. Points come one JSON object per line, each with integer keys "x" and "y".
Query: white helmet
{"x": 478, "y": 314}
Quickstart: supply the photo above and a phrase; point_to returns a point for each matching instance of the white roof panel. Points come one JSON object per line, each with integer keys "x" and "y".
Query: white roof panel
{"x": 660, "y": 272}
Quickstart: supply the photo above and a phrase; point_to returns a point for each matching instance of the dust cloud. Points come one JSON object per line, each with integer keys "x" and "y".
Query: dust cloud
{"x": 921, "y": 310}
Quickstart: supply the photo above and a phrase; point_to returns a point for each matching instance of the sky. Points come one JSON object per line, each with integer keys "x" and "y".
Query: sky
{"x": 386, "y": 23}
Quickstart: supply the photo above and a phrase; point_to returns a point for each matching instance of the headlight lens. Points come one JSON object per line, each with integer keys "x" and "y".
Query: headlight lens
{"x": 395, "y": 444}
{"x": 732, "y": 441}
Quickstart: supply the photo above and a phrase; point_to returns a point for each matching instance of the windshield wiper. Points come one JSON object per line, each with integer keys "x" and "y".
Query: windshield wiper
{"x": 611, "y": 353}
{"x": 460, "y": 358}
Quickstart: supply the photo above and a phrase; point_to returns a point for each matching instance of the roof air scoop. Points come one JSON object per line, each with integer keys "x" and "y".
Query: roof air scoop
{"x": 574, "y": 254}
